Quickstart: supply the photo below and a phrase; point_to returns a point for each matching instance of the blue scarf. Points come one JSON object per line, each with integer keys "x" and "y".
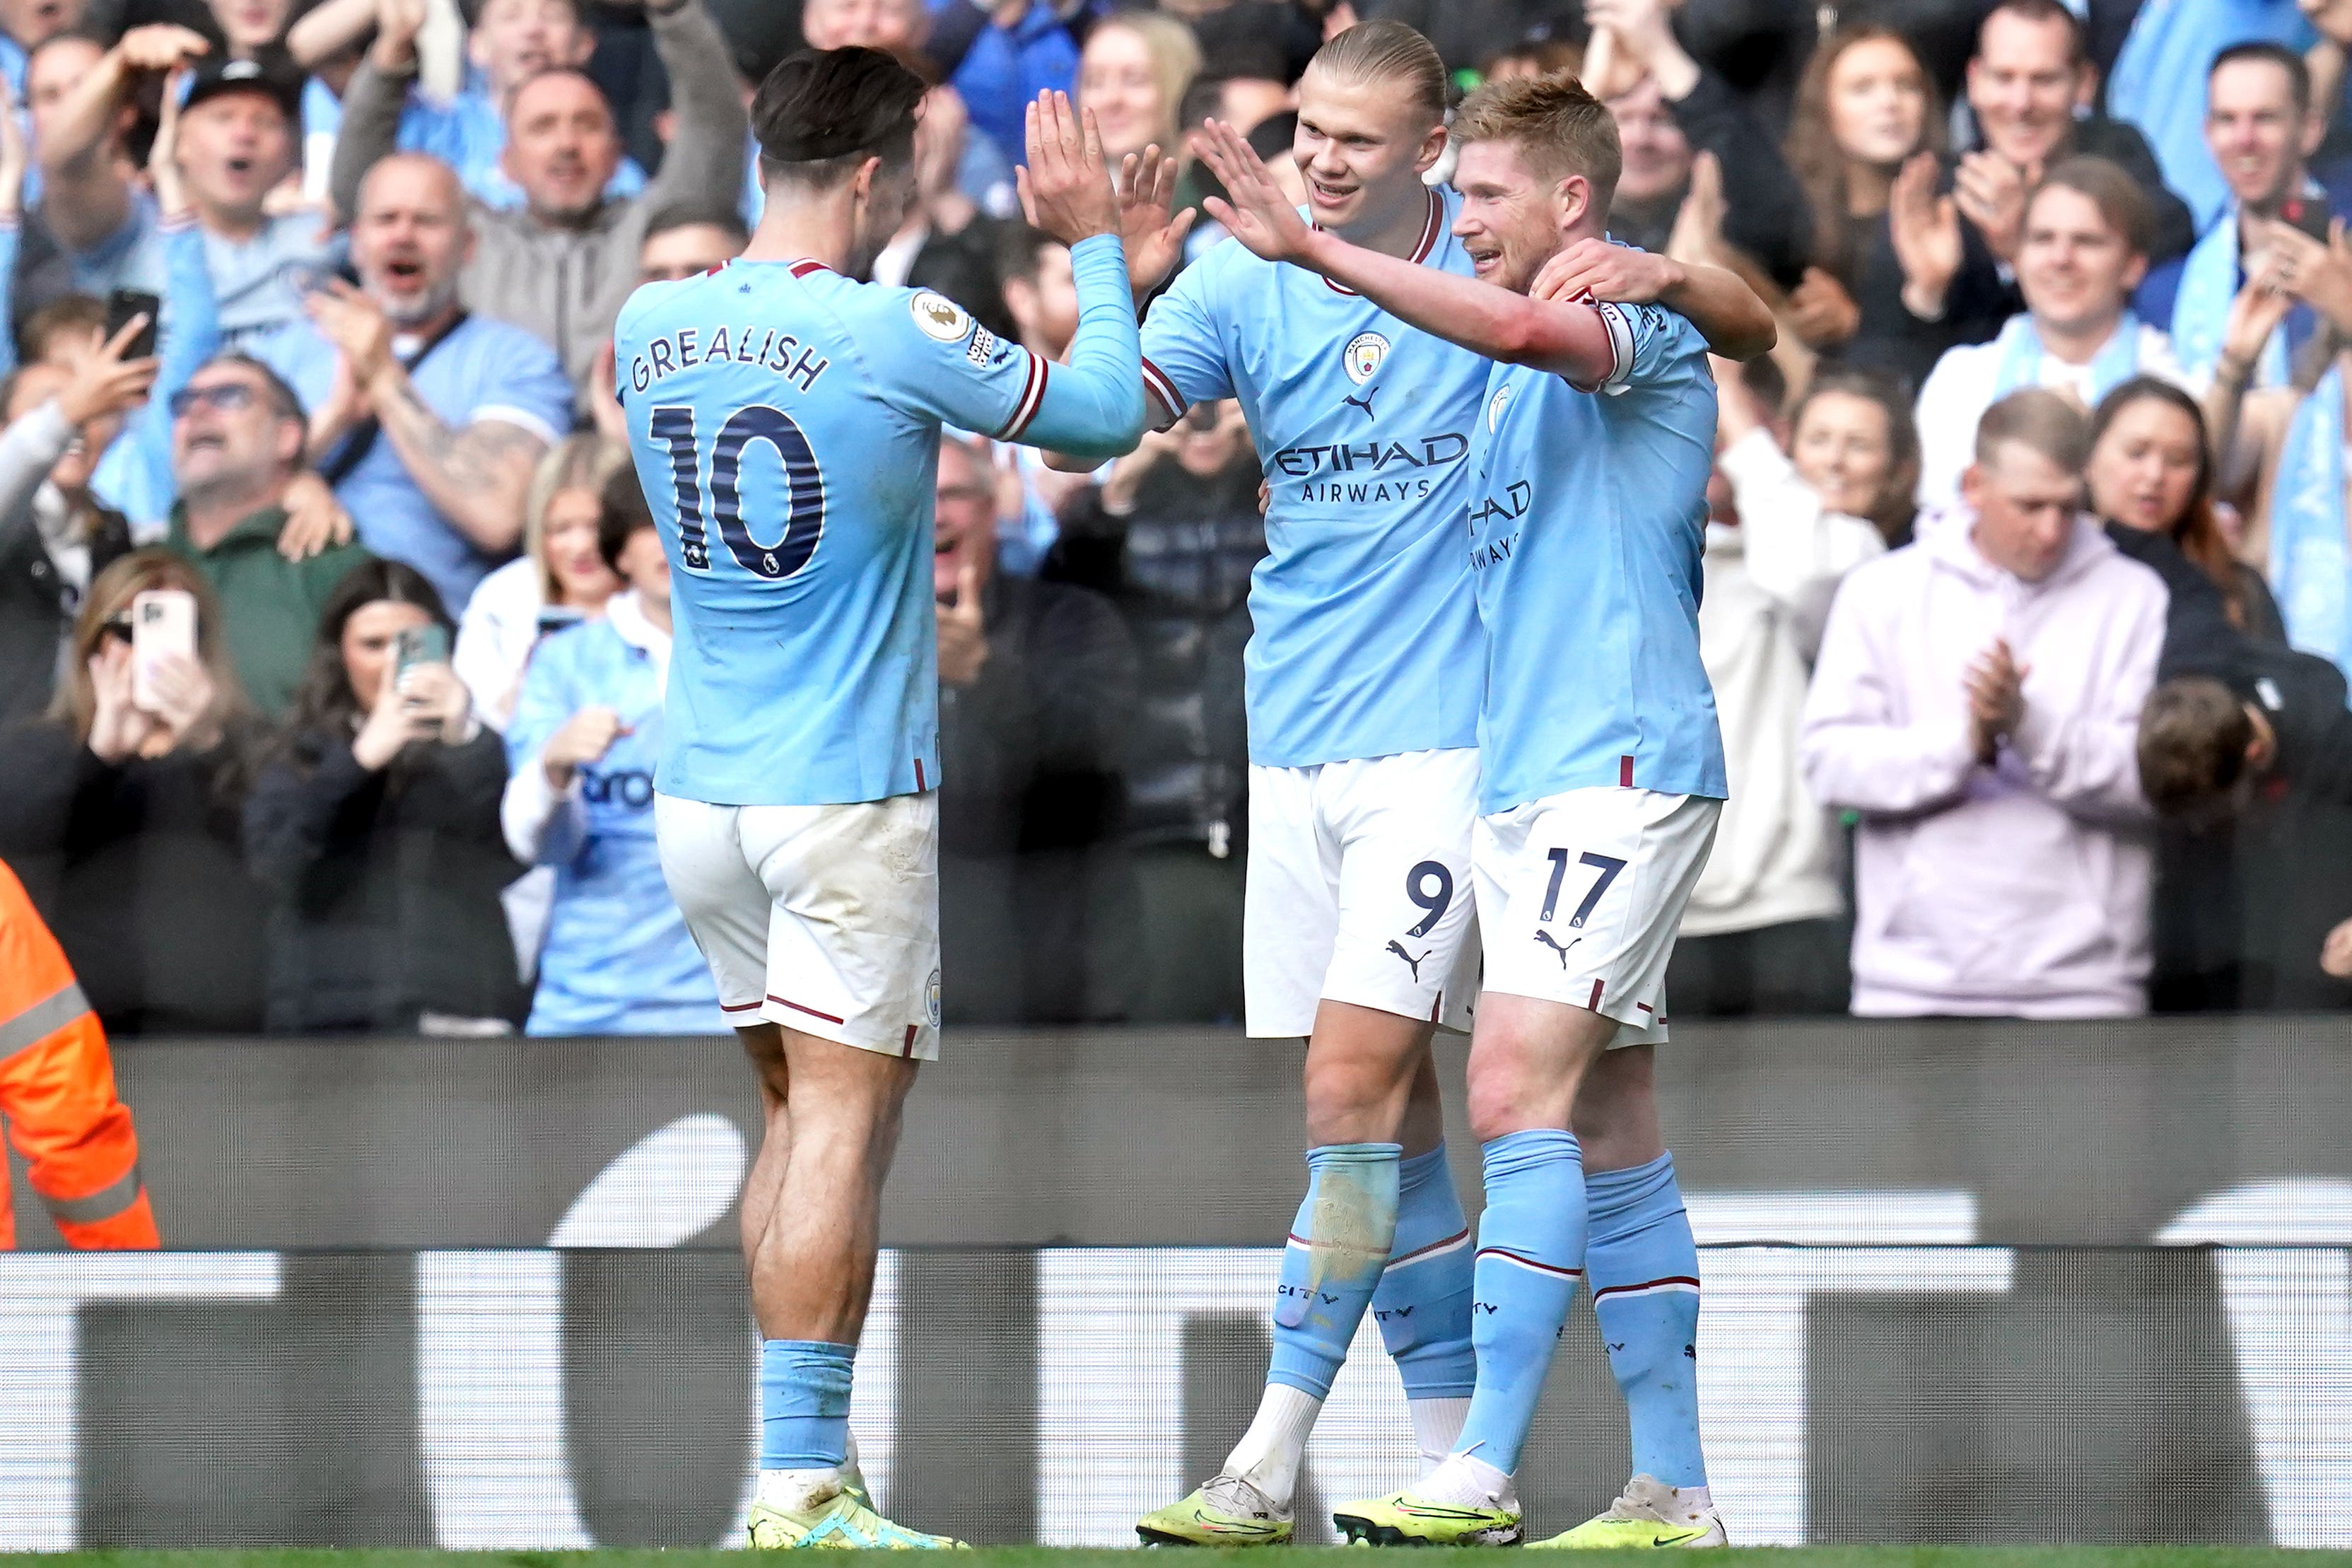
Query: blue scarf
{"x": 2200, "y": 310}
{"x": 2158, "y": 82}
{"x": 2021, "y": 354}
{"x": 2311, "y": 561}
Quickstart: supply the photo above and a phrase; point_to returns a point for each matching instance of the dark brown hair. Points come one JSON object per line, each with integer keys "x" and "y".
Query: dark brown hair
{"x": 2193, "y": 736}
{"x": 1821, "y": 165}
{"x": 1895, "y": 508}
{"x": 2196, "y": 530}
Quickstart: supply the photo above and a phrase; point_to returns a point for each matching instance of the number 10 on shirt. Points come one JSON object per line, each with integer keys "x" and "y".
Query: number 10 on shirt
{"x": 804, "y": 480}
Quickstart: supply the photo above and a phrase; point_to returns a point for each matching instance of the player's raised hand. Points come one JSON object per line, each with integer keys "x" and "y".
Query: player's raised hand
{"x": 1065, "y": 190}
{"x": 1147, "y": 187}
{"x": 1594, "y": 269}
{"x": 1254, "y": 212}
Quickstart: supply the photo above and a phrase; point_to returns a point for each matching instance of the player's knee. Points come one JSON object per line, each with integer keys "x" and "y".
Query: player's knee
{"x": 1502, "y": 1101}
{"x": 1352, "y": 1100}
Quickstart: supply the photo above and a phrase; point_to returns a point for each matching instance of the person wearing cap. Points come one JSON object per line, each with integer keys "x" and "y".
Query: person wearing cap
{"x": 237, "y": 142}
{"x": 561, "y": 265}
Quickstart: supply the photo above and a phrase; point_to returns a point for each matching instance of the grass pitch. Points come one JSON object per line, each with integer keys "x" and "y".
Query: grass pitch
{"x": 1298, "y": 1557}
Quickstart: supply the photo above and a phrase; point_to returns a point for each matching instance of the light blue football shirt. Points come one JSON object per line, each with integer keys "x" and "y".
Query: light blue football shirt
{"x": 785, "y": 422}
{"x": 1365, "y": 639}
{"x": 483, "y": 369}
{"x": 1586, "y": 526}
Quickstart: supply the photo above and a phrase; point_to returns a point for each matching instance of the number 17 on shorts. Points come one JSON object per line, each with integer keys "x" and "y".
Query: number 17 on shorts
{"x": 1579, "y": 894}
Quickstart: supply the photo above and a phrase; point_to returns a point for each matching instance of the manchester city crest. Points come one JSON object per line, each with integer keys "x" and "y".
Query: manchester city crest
{"x": 1363, "y": 355}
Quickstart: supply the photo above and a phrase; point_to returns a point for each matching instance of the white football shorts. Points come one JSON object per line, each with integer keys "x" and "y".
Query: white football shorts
{"x": 824, "y": 918}
{"x": 1360, "y": 890}
{"x": 1579, "y": 894}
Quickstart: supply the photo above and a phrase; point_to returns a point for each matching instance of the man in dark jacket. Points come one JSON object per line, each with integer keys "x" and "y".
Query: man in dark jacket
{"x": 1676, "y": 109}
{"x": 2261, "y": 753}
{"x": 2030, "y": 86}
{"x": 1036, "y": 691}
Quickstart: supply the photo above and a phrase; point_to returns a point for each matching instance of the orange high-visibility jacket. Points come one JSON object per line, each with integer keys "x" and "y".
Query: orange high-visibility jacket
{"x": 56, "y": 1092}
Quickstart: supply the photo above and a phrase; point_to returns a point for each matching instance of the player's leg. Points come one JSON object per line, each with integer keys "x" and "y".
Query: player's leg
{"x": 1579, "y": 894}
{"x": 1422, "y": 1305}
{"x": 764, "y": 1046}
{"x": 1527, "y": 1057}
{"x": 1331, "y": 893}
{"x": 1642, "y": 1266}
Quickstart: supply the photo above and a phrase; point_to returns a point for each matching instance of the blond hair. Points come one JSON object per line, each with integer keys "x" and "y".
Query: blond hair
{"x": 75, "y": 704}
{"x": 1387, "y": 51}
{"x": 1559, "y": 127}
{"x": 581, "y": 462}
{"x": 1175, "y": 60}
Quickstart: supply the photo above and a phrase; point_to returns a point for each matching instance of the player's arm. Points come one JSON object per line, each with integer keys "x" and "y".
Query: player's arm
{"x": 1736, "y": 324}
{"x": 1568, "y": 339}
{"x": 1064, "y": 187}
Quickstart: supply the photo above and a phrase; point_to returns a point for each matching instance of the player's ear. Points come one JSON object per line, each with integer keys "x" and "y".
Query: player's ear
{"x": 862, "y": 181}
{"x": 1432, "y": 147}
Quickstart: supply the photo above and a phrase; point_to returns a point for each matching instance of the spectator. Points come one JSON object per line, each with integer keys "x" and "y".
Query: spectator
{"x": 55, "y": 538}
{"x": 1022, "y": 49}
{"x": 427, "y": 419}
{"x": 374, "y": 829}
{"x": 25, "y": 27}
{"x": 235, "y": 144}
{"x": 1134, "y": 73}
{"x": 1764, "y": 930}
{"x": 2262, "y": 766}
{"x": 2084, "y": 249}
{"x": 944, "y": 244}
{"x": 2261, "y": 125}
{"x": 1541, "y": 57}
{"x": 1894, "y": 282}
{"x": 237, "y": 455}
{"x": 134, "y": 476}
{"x": 2282, "y": 450}
{"x": 2151, "y": 479}
{"x": 1173, "y": 536}
{"x": 560, "y": 579}
{"x": 510, "y": 42}
{"x": 1672, "y": 107}
{"x": 1036, "y": 685}
{"x": 2001, "y": 866}
{"x": 248, "y": 28}
{"x": 560, "y": 266}
{"x": 579, "y": 798}
{"x": 1040, "y": 295}
{"x": 2031, "y": 86}
{"x": 2162, "y": 70}
{"x": 684, "y": 248}
{"x": 981, "y": 166}
{"x": 120, "y": 815}
{"x": 1271, "y": 39}
{"x": 1467, "y": 31}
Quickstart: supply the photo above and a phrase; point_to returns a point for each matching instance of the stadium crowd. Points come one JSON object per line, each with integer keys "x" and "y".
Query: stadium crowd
{"x": 2065, "y": 303}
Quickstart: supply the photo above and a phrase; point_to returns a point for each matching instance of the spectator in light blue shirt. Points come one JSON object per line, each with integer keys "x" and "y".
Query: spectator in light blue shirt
{"x": 510, "y": 42}
{"x": 427, "y": 419}
{"x": 237, "y": 143}
{"x": 580, "y": 797}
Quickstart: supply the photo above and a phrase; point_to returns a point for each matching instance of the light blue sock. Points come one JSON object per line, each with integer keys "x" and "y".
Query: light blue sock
{"x": 803, "y": 1403}
{"x": 1423, "y": 1304}
{"x": 1338, "y": 1245}
{"x": 1644, "y": 1269}
{"x": 1530, "y": 1243}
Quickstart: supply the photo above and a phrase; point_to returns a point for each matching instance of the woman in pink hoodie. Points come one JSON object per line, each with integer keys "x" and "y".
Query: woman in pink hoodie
{"x": 1977, "y": 700}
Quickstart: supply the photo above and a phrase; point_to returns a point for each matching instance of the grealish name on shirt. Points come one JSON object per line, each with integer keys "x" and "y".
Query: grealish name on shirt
{"x": 685, "y": 349}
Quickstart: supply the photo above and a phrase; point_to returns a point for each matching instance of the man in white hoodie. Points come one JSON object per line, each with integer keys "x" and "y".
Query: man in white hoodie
{"x": 1976, "y": 700}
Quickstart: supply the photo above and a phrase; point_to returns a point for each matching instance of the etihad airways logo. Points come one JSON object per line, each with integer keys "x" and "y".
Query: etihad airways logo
{"x": 1370, "y": 472}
